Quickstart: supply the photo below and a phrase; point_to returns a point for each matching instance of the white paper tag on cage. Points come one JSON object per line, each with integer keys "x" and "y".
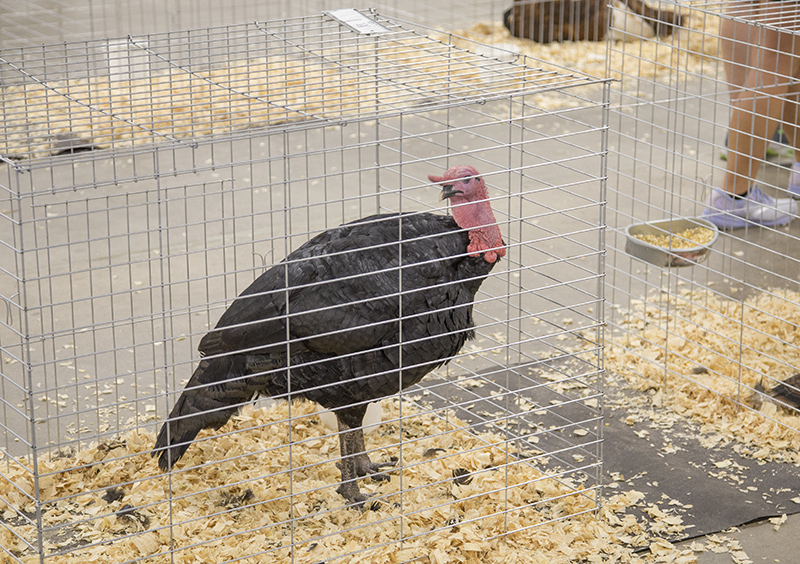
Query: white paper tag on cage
{"x": 356, "y": 21}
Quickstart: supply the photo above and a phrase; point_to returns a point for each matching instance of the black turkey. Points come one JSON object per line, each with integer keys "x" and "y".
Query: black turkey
{"x": 357, "y": 313}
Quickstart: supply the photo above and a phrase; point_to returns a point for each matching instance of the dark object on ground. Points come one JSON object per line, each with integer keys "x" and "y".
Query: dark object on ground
{"x": 579, "y": 20}
{"x": 355, "y": 314}
{"x": 786, "y": 394}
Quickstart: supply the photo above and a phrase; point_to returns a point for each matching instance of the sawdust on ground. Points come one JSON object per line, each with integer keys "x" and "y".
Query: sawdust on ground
{"x": 706, "y": 353}
{"x": 474, "y": 500}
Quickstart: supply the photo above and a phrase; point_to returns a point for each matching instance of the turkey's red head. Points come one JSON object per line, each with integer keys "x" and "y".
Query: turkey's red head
{"x": 465, "y": 189}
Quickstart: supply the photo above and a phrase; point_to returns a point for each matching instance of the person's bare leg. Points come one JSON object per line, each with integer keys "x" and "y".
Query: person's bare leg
{"x": 757, "y": 104}
{"x": 792, "y": 131}
{"x": 734, "y": 45}
{"x": 776, "y": 58}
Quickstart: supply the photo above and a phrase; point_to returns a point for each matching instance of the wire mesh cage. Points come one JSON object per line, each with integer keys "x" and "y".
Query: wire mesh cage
{"x": 148, "y": 182}
{"x": 35, "y": 22}
{"x": 706, "y": 114}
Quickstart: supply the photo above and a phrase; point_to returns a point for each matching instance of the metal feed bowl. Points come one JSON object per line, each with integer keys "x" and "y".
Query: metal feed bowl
{"x": 666, "y": 256}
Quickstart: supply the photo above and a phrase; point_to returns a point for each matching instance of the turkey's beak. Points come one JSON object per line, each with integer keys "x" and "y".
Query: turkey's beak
{"x": 448, "y": 192}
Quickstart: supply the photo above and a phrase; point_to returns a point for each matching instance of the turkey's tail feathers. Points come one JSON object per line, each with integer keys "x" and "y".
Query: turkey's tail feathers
{"x": 216, "y": 391}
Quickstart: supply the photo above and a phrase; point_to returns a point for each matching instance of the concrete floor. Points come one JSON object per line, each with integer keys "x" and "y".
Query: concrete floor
{"x": 760, "y": 542}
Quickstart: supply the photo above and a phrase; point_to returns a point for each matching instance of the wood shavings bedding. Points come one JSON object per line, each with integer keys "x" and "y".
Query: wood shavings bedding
{"x": 109, "y": 504}
{"x": 702, "y": 372}
{"x": 41, "y": 118}
{"x": 690, "y": 50}
{"x": 686, "y": 239}
{"x": 169, "y": 105}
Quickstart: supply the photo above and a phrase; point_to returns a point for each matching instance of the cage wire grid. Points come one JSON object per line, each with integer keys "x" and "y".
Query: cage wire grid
{"x": 114, "y": 107}
{"x": 126, "y": 236}
{"x": 717, "y": 339}
{"x": 33, "y": 22}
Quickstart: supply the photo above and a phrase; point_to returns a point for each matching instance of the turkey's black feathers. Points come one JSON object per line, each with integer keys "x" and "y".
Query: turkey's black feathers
{"x": 335, "y": 312}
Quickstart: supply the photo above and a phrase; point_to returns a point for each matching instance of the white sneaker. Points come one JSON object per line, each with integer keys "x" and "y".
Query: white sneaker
{"x": 794, "y": 181}
{"x": 727, "y": 212}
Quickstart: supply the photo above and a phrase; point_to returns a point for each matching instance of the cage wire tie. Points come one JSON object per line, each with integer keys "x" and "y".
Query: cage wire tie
{"x": 706, "y": 182}
{"x": 14, "y": 164}
{"x": 7, "y": 302}
{"x": 263, "y": 257}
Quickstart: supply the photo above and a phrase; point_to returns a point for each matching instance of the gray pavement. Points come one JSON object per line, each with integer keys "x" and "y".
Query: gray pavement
{"x": 764, "y": 541}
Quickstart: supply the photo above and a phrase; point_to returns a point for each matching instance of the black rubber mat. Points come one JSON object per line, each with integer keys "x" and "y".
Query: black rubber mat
{"x": 711, "y": 486}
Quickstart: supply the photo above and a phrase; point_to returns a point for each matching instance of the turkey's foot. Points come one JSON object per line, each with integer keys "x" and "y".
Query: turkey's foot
{"x": 356, "y": 498}
{"x": 364, "y": 467}
{"x": 355, "y": 463}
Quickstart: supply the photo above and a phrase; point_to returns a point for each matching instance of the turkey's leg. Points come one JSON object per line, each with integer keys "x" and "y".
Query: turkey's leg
{"x": 355, "y": 463}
